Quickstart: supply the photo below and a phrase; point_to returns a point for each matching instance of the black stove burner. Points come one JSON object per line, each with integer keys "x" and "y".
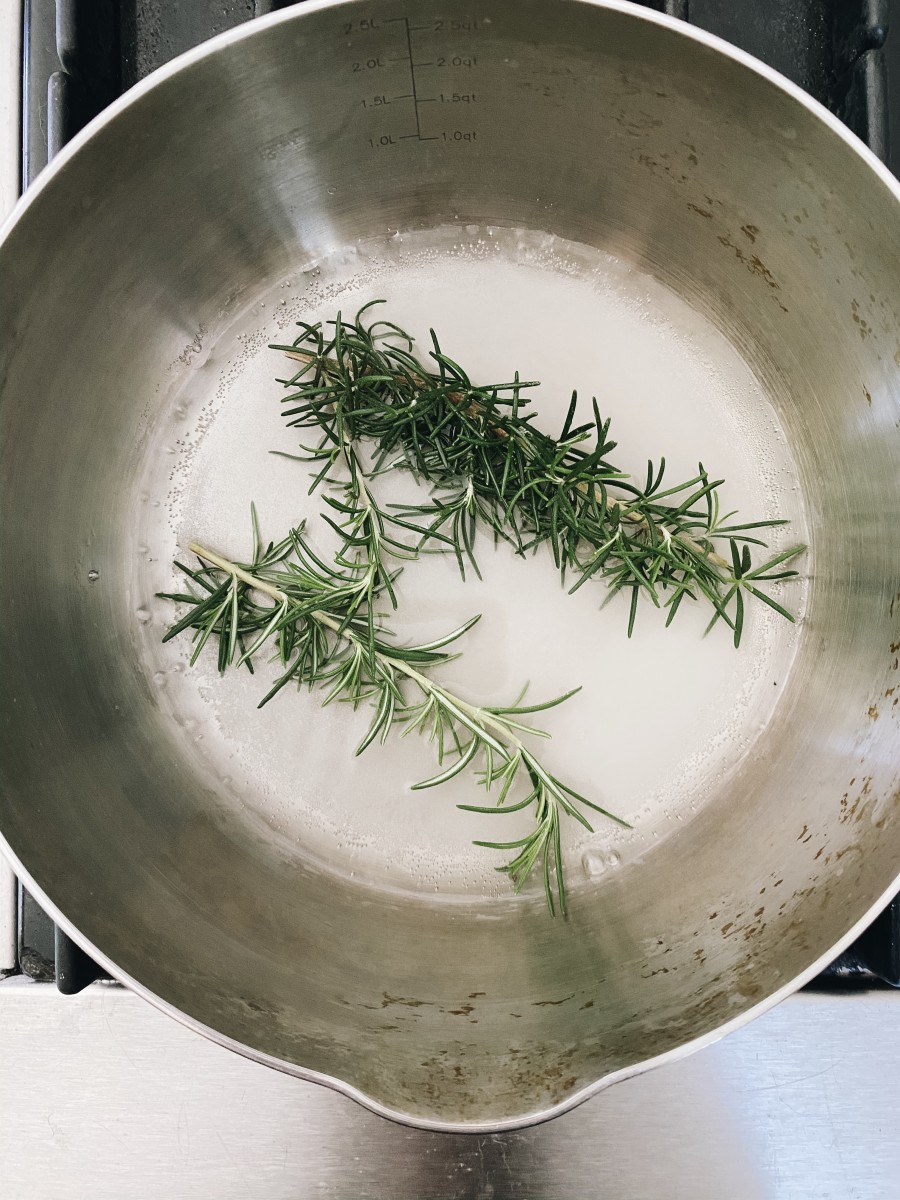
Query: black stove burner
{"x": 81, "y": 54}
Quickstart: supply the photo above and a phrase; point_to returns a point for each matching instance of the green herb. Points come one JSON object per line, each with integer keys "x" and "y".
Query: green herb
{"x": 320, "y": 619}
{"x": 479, "y": 448}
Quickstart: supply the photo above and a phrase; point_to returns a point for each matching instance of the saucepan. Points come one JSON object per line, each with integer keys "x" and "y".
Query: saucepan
{"x": 313, "y": 132}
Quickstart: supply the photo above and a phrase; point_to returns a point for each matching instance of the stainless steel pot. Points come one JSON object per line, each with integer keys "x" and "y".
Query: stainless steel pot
{"x": 600, "y": 123}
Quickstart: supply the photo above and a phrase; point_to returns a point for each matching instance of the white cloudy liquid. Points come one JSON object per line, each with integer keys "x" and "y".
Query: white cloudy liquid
{"x": 660, "y": 717}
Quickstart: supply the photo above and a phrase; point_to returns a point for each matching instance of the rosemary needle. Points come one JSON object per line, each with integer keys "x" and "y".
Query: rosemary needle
{"x": 318, "y": 617}
{"x": 489, "y": 465}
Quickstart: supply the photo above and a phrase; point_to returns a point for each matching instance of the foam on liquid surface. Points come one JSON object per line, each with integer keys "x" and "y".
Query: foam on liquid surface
{"x": 660, "y": 717}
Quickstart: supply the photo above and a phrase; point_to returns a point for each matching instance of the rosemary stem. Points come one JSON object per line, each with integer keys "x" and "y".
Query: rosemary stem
{"x": 238, "y": 572}
{"x": 612, "y": 502}
{"x": 428, "y": 687}
{"x": 339, "y": 644}
{"x": 330, "y": 365}
{"x": 639, "y": 519}
{"x": 477, "y": 714}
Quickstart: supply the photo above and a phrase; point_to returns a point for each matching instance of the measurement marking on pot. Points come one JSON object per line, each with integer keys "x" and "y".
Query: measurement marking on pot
{"x": 412, "y": 77}
{"x": 405, "y": 53}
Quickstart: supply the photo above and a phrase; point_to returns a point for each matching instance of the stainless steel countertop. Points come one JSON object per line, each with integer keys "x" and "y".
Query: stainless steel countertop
{"x": 102, "y": 1096}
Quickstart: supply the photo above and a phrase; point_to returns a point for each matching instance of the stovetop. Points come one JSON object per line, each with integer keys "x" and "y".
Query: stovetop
{"x": 77, "y": 57}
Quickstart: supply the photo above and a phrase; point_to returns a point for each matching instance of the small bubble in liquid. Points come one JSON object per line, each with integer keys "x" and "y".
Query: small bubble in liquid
{"x": 593, "y": 862}
{"x": 142, "y": 615}
{"x": 613, "y": 859}
{"x": 159, "y": 678}
{"x": 93, "y": 576}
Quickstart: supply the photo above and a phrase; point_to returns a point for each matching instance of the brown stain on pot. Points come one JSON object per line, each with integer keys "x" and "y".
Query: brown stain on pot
{"x": 531, "y": 1073}
{"x": 747, "y": 987}
{"x": 404, "y": 1001}
{"x": 754, "y": 265}
{"x": 857, "y": 807}
{"x": 864, "y": 327}
{"x": 813, "y": 243}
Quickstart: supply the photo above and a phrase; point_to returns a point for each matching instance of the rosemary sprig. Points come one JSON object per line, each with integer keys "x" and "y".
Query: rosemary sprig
{"x": 488, "y": 463}
{"x": 318, "y": 616}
